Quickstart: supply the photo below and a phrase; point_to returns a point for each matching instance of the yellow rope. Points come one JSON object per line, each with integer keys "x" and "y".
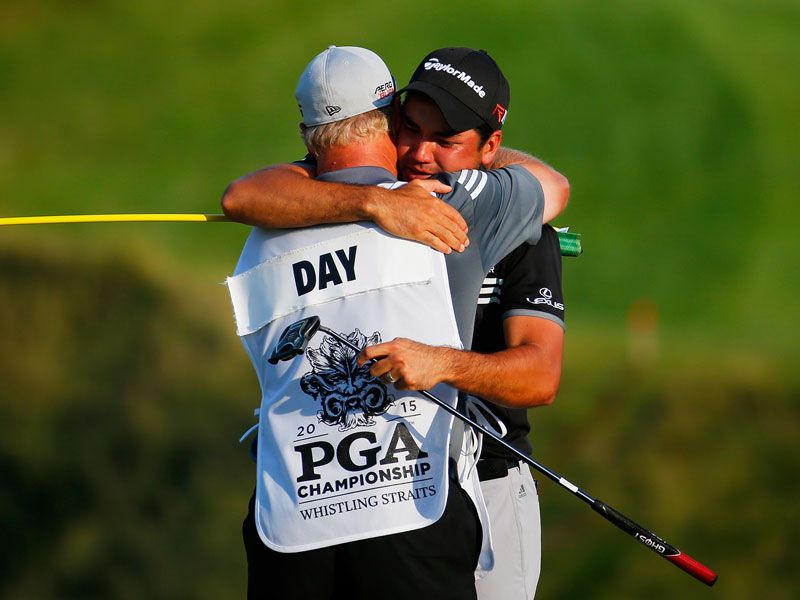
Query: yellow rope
{"x": 109, "y": 218}
{"x": 570, "y": 242}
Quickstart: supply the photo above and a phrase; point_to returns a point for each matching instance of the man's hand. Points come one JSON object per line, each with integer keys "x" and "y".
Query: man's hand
{"x": 412, "y": 366}
{"x": 412, "y": 213}
{"x": 525, "y": 374}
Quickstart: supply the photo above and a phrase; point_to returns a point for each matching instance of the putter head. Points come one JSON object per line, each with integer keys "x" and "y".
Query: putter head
{"x": 294, "y": 339}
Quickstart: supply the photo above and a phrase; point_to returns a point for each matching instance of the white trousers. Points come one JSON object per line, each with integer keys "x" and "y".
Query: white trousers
{"x": 513, "y": 505}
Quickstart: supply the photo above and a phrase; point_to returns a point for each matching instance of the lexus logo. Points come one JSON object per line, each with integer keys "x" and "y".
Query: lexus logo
{"x": 546, "y": 298}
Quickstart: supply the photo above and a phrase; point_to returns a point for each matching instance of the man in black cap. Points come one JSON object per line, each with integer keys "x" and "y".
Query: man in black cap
{"x": 472, "y": 96}
{"x": 457, "y": 103}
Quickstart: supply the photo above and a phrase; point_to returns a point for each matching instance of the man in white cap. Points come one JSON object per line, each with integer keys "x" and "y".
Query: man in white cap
{"x": 456, "y": 105}
{"x": 355, "y": 496}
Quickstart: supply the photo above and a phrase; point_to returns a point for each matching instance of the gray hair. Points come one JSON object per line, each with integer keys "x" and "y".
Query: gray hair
{"x": 347, "y": 131}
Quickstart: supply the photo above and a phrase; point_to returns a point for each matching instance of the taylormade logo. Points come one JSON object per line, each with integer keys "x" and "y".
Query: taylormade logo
{"x": 435, "y": 65}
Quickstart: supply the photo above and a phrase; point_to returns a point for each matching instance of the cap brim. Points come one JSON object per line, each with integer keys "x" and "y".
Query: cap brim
{"x": 458, "y": 115}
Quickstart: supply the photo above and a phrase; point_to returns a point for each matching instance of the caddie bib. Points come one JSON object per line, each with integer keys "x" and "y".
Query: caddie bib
{"x": 343, "y": 456}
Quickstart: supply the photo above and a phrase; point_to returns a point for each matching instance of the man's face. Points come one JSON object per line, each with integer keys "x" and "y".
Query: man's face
{"x": 426, "y": 145}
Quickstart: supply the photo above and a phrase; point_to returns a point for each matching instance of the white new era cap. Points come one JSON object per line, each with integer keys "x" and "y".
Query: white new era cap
{"x": 342, "y": 82}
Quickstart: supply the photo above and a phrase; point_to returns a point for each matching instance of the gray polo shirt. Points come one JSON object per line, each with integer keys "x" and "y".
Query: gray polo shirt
{"x": 503, "y": 208}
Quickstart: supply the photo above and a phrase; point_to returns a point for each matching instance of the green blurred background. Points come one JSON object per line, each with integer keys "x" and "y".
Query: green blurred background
{"x": 123, "y": 388}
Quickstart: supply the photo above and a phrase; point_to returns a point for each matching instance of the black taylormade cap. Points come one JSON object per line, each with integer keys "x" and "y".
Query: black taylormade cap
{"x": 467, "y": 86}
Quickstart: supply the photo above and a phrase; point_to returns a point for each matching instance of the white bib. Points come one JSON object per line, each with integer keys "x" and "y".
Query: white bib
{"x": 341, "y": 455}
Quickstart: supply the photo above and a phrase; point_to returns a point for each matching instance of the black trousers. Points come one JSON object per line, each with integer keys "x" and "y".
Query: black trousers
{"x": 433, "y": 563}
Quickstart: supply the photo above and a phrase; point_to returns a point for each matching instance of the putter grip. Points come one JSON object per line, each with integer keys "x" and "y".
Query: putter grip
{"x": 694, "y": 568}
{"x": 570, "y": 243}
{"x": 656, "y": 544}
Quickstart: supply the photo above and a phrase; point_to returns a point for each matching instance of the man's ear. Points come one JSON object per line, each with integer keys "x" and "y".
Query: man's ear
{"x": 490, "y": 148}
{"x": 302, "y": 127}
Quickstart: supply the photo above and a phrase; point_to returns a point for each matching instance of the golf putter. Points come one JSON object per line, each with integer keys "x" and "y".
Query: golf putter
{"x": 293, "y": 342}
{"x": 294, "y": 339}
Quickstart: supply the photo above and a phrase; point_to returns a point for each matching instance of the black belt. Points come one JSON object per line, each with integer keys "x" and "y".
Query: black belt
{"x": 495, "y": 468}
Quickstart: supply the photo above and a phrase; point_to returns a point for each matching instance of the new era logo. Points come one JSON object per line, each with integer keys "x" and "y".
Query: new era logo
{"x": 332, "y": 110}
